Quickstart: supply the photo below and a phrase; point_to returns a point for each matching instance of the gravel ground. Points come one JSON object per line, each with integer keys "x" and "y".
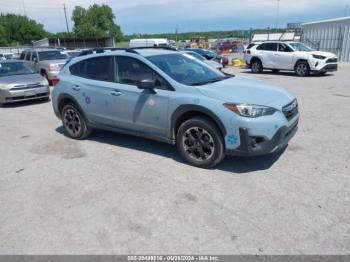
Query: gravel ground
{"x": 117, "y": 194}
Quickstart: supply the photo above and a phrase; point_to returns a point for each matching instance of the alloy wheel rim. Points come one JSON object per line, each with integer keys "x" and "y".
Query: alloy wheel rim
{"x": 301, "y": 69}
{"x": 256, "y": 67}
{"x": 198, "y": 143}
{"x": 72, "y": 122}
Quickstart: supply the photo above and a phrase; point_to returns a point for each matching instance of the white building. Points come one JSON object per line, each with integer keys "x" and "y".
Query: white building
{"x": 331, "y": 35}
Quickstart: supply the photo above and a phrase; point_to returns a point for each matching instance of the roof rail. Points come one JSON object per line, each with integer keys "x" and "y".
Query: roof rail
{"x": 156, "y": 47}
{"x": 99, "y": 50}
{"x": 105, "y": 49}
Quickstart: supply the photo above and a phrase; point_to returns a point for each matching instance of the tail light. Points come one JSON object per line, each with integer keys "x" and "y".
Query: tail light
{"x": 55, "y": 81}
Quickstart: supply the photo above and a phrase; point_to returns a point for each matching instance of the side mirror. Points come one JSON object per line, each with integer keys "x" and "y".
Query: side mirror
{"x": 147, "y": 84}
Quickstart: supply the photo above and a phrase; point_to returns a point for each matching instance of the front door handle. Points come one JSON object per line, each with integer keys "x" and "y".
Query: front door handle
{"x": 116, "y": 93}
{"x": 76, "y": 88}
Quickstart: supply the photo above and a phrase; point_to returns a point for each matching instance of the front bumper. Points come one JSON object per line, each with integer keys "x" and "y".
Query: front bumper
{"x": 249, "y": 148}
{"x": 9, "y": 96}
{"x": 330, "y": 67}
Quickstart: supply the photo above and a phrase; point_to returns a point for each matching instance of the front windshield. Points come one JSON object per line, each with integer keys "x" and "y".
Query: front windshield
{"x": 14, "y": 68}
{"x": 186, "y": 69}
{"x": 301, "y": 47}
{"x": 52, "y": 55}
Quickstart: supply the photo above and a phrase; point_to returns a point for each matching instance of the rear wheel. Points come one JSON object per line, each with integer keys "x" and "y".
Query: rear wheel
{"x": 200, "y": 142}
{"x": 302, "y": 68}
{"x": 74, "y": 123}
{"x": 256, "y": 66}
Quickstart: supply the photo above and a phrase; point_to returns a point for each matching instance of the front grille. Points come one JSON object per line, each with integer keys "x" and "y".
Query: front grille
{"x": 16, "y": 98}
{"x": 29, "y": 86}
{"x": 332, "y": 60}
{"x": 331, "y": 67}
{"x": 291, "y": 110}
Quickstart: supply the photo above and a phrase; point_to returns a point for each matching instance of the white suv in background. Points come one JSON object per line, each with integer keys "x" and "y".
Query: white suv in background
{"x": 291, "y": 56}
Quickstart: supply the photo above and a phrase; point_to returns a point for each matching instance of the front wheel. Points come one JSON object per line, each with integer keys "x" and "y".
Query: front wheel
{"x": 200, "y": 143}
{"x": 302, "y": 68}
{"x": 74, "y": 123}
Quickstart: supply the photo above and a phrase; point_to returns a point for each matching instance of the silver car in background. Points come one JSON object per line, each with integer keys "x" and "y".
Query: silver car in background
{"x": 19, "y": 83}
{"x": 211, "y": 63}
{"x": 48, "y": 62}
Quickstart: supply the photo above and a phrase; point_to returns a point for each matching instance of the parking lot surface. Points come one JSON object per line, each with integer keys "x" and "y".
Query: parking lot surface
{"x": 117, "y": 194}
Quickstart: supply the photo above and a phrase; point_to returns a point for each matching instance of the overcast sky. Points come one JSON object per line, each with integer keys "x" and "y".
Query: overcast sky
{"x": 153, "y": 16}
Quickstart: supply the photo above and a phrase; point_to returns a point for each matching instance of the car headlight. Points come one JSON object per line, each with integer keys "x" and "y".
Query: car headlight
{"x": 54, "y": 67}
{"x": 318, "y": 57}
{"x": 252, "y": 111}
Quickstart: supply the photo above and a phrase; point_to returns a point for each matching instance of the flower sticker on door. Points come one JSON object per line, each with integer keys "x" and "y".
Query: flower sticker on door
{"x": 232, "y": 140}
{"x": 87, "y": 100}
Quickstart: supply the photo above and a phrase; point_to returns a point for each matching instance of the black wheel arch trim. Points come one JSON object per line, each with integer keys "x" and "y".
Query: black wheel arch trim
{"x": 74, "y": 101}
{"x": 183, "y": 109}
{"x": 301, "y": 60}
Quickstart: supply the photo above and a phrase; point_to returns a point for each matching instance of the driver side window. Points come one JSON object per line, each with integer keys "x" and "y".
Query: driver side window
{"x": 284, "y": 48}
{"x": 130, "y": 71}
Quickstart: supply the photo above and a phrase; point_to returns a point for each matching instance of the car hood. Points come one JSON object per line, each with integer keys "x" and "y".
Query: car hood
{"x": 321, "y": 53}
{"x": 242, "y": 90}
{"x": 60, "y": 61}
{"x": 21, "y": 79}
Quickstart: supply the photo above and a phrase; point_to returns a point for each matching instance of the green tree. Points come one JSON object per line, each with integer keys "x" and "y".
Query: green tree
{"x": 3, "y": 36}
{"x": 21, "y": 29}
{"x": 96, "y": 21}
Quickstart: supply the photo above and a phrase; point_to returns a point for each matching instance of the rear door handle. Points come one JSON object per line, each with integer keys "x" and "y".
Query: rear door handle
{"x": 76, "y": 88}
{"x": 116, "y": 93}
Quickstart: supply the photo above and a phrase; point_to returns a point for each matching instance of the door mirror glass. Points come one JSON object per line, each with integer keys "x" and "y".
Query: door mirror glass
{"x": 146, "y": 84}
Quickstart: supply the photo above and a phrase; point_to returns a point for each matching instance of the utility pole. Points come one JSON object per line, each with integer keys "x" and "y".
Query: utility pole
{"x": 277, "y": 14}
{"x": 65, "y": 14}
{"x": 24, "y": 8}
{"x": 176, "y": 31}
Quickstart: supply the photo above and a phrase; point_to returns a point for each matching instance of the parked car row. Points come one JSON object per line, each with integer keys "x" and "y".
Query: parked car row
{"x": 289, "y": 56}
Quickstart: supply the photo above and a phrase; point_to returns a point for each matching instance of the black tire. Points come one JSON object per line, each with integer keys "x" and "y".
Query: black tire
{"x": 74, "y": 123}
{"x": 256, "y": 66}
{"x": 275, "y": 71}
{"x": 302, "y": 68}
{"x": 2, "y": 105}
{"x": 200, "y": 142}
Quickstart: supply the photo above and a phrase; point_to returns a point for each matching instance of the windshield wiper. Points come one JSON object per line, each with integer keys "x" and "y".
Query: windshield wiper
{"x": 210, "y": 81}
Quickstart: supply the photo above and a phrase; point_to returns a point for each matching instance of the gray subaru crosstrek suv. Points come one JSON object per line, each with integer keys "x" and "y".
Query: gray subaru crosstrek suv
{"x": 173, "y": 97}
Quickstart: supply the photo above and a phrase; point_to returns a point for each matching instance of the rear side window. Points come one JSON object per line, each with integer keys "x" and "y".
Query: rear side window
{"x": 23, "y": 55}
{"x": 267, "y": 47}
{"x": 28, "y": 56}
{"x": 250, "y": 46}
{"x": 78, "y": 69}
{"x": 98, "y": 68}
